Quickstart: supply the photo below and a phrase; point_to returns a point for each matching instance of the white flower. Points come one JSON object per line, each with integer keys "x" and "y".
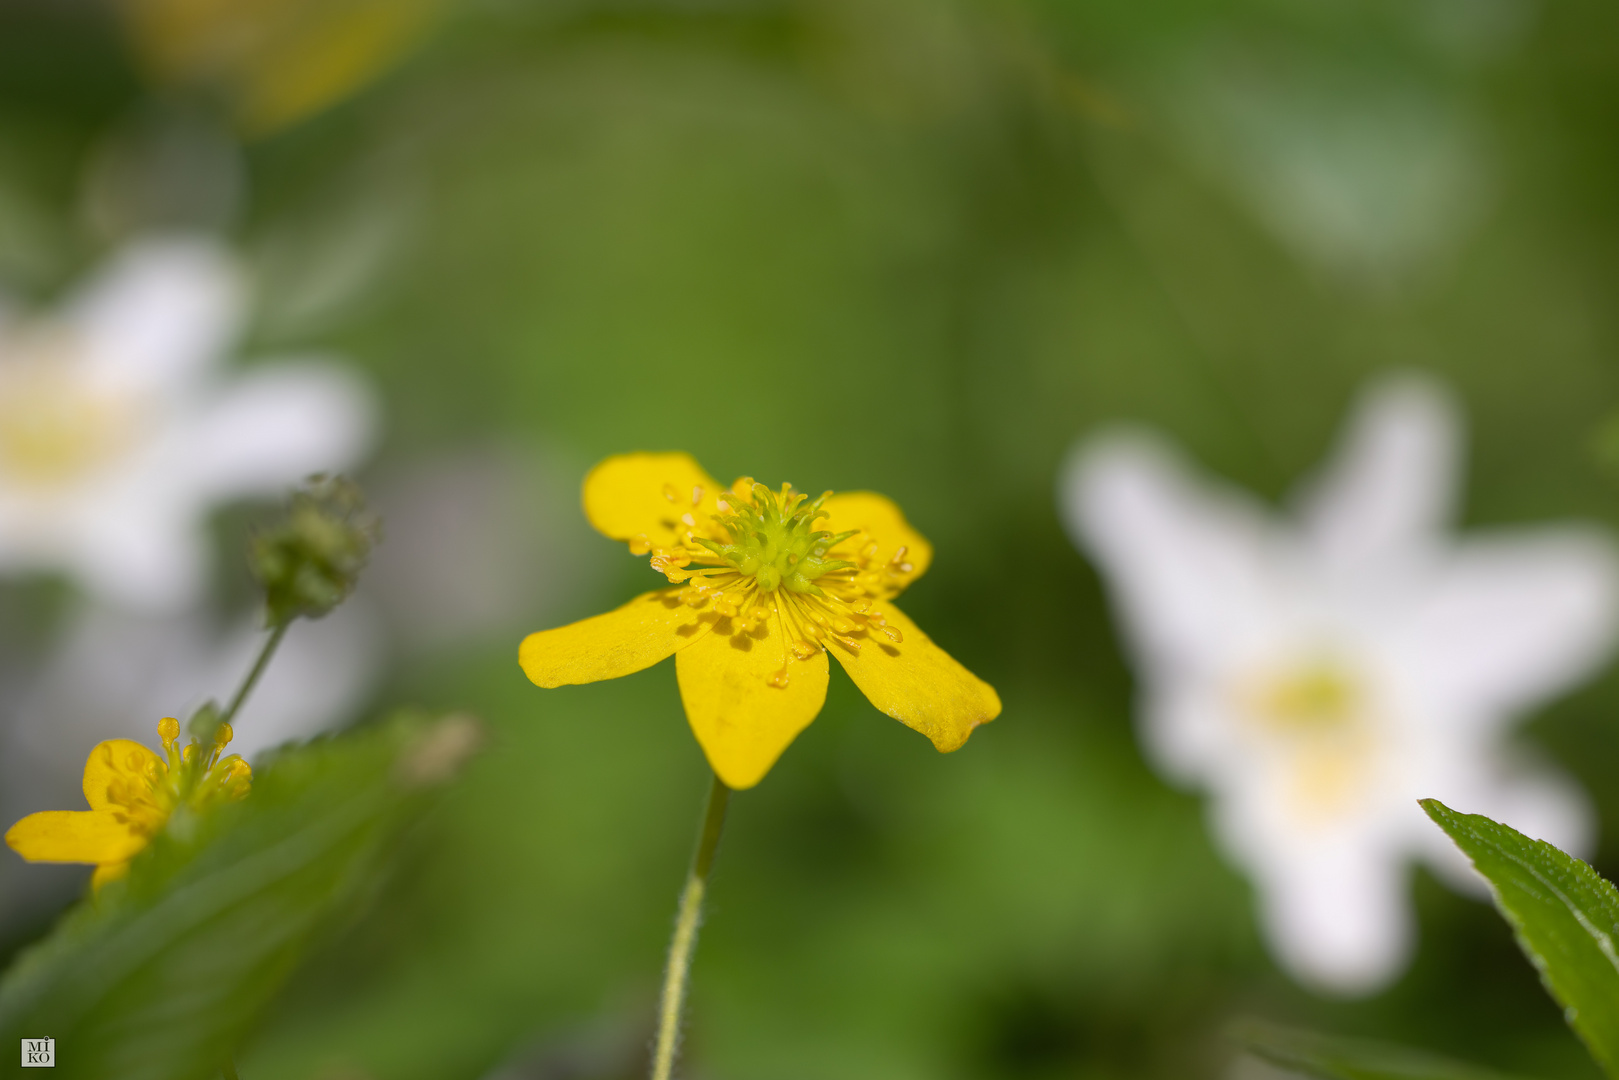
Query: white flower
{"x": 118, "y": 431}
{"x": 1319, "y": 676}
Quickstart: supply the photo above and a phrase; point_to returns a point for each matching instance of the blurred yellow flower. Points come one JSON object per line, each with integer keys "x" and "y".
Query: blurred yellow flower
{"x": 277, "y": 61}
{"x": 761, "y": 596}
{"x": 131, "y": 792}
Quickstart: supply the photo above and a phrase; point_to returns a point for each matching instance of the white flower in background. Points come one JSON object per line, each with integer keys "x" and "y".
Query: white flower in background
{"x": 119, "y": 430}
{"x": 1319, "y": 676}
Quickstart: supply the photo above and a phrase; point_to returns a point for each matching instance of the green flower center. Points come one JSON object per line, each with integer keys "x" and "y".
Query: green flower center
{"x": 774, "y": 540}
{"x": 1318, "y": 697}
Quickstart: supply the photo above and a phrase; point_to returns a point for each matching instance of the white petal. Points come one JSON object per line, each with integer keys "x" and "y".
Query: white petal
{"x": 1507, "y": 622}
{"x": 1337, "y": 915}
{"x": 146, "y": 667}
{"x": 1194, "y": 566}
{"x": 1188, "y": 730}
{"x": 152, "y": 559}
{"x": 1391, "y": 483}
{"x": 160, "y": 311}
{"x": 278, "y": 424}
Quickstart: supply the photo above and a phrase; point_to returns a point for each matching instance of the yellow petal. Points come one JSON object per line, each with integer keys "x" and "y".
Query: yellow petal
{"x": 81, "y": 836}
{"x": 879, "y": 522}
{"x": 632, "y": 496}
{"x": 620, "y": 642}
{"x": 280, "y": 60}
{"x": 730, "y": 682}
{"x": 919, "y": 684}
{"x": 118, "y": 762}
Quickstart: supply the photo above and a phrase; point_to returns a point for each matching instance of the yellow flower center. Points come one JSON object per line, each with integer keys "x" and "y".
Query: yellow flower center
{"x": 1315, "y": 697}
{"x": 762, "y": 559}
{"x": 57, "y": 423}
{"x": 148, "y": 791}
{"x": 1319, "y": 717}
{"x": 203, "y": 783}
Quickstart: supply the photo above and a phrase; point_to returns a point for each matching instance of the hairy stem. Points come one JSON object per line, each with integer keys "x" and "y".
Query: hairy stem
{"x": 270, "y": 645}
{"x": 683, "y": 943}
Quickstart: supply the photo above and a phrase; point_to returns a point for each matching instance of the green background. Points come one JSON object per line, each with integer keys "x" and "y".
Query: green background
{"x": 920, "y": 248}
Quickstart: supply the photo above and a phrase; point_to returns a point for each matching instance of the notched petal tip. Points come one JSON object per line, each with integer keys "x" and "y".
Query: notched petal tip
{"x": 949, "y": 739}
{"x": 643, "y": 496}
{"x": 747, "y": 698}
{"x": 921, "y": 685}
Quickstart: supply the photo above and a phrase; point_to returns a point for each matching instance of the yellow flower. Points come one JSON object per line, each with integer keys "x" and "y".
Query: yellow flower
{"x": 131, "y": 792}
{"x": 276, "y": 61}
{"x": 766, "y": 584}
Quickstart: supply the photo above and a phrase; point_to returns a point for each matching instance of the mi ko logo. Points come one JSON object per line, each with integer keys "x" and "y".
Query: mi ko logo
{"x": 39, "y": 1053}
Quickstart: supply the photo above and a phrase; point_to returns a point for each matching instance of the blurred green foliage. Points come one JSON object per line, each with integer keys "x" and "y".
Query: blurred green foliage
{"x": 1347, "y": 1059}
{"x": 916, "y": 247}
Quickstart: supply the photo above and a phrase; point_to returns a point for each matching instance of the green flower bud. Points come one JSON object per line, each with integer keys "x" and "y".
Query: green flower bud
{"x": 311, "y": 561}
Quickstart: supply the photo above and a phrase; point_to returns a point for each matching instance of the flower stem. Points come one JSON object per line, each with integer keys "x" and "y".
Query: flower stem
{"x": 270, "y": 645}
{"x": 688, "y": 918}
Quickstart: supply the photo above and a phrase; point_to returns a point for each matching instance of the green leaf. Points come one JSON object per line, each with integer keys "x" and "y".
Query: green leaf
{"x": 1333, "y": 1058}
{"x": 1565, "y": 915}
{"x": 162, "y": 975}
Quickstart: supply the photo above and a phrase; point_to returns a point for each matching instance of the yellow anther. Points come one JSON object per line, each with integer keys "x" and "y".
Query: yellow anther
{"x": 168, "y": 729}
{"x": 665, "y": 559}
{"x": 696, "y": 494}
{"x": 892, "y": 634}
{"x": 690, "y": 521}
{"x": 780, "y": 679}
{"x": 805, "y": 649}
{"x": 640, "y": 545}
{"x": 223, "y": 735}
{"x": 670, "y": 493}
{"x": 848, "y": 643}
